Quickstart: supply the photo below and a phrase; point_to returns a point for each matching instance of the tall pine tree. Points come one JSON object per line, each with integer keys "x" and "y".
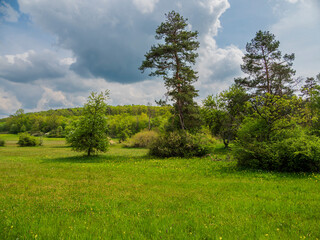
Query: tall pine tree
{"x": 268, "y": 71}
{"x": 172, "y": 60}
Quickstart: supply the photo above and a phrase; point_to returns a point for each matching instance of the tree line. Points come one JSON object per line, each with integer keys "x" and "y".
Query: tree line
{"x": 123, "y": 121}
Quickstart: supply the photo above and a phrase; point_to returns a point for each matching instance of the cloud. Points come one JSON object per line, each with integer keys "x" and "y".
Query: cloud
{"x": 109, "y": 38}
{"x": 292, "y": 1}
{"x": 8, "y": 103}
{"x": 121, "y": 94}
{"x": 51, "y": 100}
{"x": 145, "y": 6}
{"x": 217, "y": 67}
{"x": 31, "y": 66}
{"x": 105, "y": 44}
{"x": 7, "y": 13}
{"x": 299, "y": 31}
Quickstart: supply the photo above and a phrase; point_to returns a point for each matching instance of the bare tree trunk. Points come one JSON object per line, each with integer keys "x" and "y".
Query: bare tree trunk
{"x": 179, "y": 90}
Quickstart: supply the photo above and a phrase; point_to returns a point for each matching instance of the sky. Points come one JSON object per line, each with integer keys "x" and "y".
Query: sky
{"x": 54, "y": 53}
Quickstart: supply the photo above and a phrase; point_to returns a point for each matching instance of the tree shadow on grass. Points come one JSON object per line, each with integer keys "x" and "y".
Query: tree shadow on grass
{"x": 234, "y": 169}
{"x": 60, "y": 146}
{"x": 96, "y": 159}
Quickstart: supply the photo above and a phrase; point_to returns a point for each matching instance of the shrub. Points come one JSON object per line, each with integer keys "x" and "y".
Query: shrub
{"x": 289, "y": 150}
{"x": 298, "y": 154}
{"x": 2, "y": 142}
{"x": 26, "y": 139}
{"x": 181, "y": 144}
{"x": 142, "y": 139}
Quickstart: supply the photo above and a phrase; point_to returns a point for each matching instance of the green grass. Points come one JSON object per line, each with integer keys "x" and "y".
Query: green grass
{"x": 50, "y": 192}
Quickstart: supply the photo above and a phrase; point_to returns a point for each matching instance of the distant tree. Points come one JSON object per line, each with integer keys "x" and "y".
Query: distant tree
{"x": 18, "y": 122}
{"x": 89, "y": 133}
{"x": 172, "y": 60}
{"x": 161, "y": 103}
{"x": 311, "y": 95}
{"x": 150, "y": 115}
{"x": 310, "y": 87}
{"x": 268, "y": 71}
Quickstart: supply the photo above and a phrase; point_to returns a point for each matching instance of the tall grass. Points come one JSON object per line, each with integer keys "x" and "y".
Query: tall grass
{"x": 50, "y": 192}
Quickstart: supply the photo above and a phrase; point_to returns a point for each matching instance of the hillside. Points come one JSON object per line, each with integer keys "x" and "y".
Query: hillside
{"x": 124, "y": 121}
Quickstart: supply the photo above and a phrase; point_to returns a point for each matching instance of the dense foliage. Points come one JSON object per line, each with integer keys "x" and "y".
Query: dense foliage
{"x": 291, "y": 150}
{"x": 2, "y": 142}
{"x": 272, "y": 137}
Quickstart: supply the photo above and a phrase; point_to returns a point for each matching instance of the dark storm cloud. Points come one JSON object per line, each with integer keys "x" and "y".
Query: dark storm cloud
{"x": 109, "y": 38}
{"x": 31, "y": 66}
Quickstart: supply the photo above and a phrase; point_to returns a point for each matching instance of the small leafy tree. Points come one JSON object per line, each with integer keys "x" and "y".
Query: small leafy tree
{"x": 224, "y": 113}
{"x": 172, "y": 60}
{"x": 89, "y": 133}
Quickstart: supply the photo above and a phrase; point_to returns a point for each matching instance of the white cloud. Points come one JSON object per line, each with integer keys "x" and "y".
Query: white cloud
{"x": 145, "y": 6}
{"x": 67, "y": 61}
{"x": 120, "y": 94}
{"x": 217, "y": 66}
{"x": 9, "y": 14}
{"x": 215, "y": 8}
{"x": 52, "y": 99}
{"x": 292, "y": 1}
{"x": 8, "y": 103}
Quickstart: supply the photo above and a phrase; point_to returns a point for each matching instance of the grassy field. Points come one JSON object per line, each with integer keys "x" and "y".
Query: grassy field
{"x": 50, "y": 192}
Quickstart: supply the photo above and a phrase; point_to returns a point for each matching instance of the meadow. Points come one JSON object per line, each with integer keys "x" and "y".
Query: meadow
{"x": 51, "y": 192}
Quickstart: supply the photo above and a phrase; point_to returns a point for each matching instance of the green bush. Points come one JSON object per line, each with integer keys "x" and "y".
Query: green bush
{"x": 26, "y": 139}
{"x": 2, "y": 142}
{"x": 289, "y": 150}
{"x": 182, "y": 144}
{"x": 142, "y": 139}
{"x": 299, "y": 154}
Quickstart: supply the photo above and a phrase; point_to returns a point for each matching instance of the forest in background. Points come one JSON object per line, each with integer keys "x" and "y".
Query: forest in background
{"x": 123, "y": 121}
